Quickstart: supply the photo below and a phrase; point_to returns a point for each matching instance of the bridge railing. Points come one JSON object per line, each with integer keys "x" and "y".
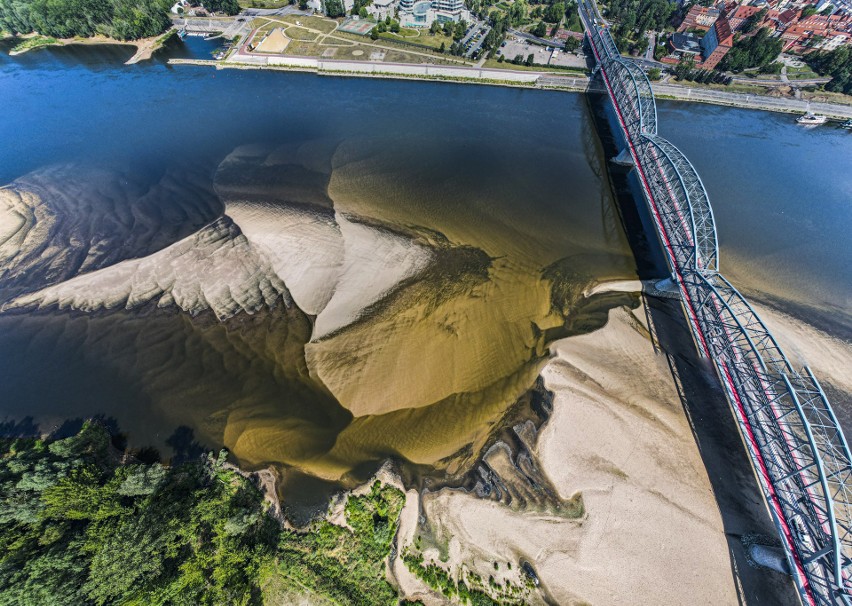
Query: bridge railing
{"x": 798, "y": 450}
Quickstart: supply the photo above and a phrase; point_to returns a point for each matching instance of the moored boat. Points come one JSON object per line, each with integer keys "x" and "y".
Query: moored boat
{"x": 811, "y": 118}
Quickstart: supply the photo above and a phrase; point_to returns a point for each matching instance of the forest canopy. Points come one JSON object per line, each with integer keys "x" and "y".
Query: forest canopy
{"x": 82, "y": 523}
{"x": 754, "y": 51}
{"x": 838, "y": 65}
{"x": 119, "y": 19}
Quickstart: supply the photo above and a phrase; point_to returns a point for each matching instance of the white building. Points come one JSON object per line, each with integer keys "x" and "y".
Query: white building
{"x": 381, "y": 9}
{"x": 421, "y": 13}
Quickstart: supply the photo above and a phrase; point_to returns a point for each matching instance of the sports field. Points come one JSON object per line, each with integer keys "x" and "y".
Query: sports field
{"x": 353, "y": 25}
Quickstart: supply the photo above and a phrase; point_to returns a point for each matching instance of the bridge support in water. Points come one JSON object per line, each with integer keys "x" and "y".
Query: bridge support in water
{"x": 797, "y": 449}
{"x": 623, "y": 158}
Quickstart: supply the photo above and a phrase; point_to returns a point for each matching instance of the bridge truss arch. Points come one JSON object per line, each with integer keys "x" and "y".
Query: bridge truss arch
{"x": 691, "y": 191}
{"x": 797, "y": 448}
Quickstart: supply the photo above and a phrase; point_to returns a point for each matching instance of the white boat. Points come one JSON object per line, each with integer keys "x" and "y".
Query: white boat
{"x": 847, "y": 124}
{"x": 811, "y": 118}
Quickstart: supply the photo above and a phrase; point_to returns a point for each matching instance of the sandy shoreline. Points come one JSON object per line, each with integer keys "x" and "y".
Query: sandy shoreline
{"x": 651, "y": 531}
{"x": 655, "y": 528}
{"x": 145, "y": 47}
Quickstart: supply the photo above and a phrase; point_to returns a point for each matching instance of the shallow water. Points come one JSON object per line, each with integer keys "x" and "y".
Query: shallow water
{"x": 423, "y": 243}
{"x": 453, "y": 211}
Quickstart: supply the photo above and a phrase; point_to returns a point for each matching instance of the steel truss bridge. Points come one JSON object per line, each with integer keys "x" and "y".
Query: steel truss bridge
{"x": 797, "y": 448}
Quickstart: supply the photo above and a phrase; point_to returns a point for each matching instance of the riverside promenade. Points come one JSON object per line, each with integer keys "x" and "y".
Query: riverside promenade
{"x": 509, "y": 77}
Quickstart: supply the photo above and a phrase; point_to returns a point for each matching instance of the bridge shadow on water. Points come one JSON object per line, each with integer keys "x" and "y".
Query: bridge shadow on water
{"x": 741, "y": 506}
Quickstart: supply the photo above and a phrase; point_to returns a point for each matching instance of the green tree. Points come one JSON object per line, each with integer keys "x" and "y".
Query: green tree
{"x": 755, "y": 20}
{"x": 754, "y": 51}
{"x": 554, "y": 12}
{"x": 837, "y": 64}
{"x": 229, "y": 7}
{"x": 539, "y": 30}
{"x": 518, "y": 11}
{"x": 334, "y": 8}
{"x": 459, "y": 30}
{"x": 654, "y": 73}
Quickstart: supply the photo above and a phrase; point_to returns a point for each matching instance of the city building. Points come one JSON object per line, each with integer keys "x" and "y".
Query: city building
{"x": 739, "y": 16}
{"x": 683, "y": 46}
{"x": 699, "y": 18}
{"x": 421, "y": 13}
{"x": 726, "y": 19}
{"x": 382, "y": 9}
{"x": 716, "y": 44}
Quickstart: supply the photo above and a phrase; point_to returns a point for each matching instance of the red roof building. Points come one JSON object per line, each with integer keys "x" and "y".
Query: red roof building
{"x": 716, "y": 44}
{"x": 740, "y": 15}
{"x": 699, "y": 18}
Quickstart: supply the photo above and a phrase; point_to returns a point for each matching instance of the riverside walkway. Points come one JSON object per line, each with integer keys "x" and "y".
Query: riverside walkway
{"x": 798, "y": 451}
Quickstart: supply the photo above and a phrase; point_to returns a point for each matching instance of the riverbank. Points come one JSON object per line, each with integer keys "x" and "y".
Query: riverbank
{"x": 145, "y": 47}
{"x": 523, "y": 79}
{"x": 618, "y": 441}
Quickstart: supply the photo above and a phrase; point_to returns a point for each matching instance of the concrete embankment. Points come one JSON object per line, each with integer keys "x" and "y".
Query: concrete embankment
{"x": 394, "y": 70}
{"x": 507, "y": 77}
{"x": 776, "y": 104}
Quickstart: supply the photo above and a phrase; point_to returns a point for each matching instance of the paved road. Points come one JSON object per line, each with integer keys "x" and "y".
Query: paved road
{"x": 688, "y": 93}
{"x": 804, "y": 82}
{"x": 751, "y": 101}
{"x": 652, "y": 44}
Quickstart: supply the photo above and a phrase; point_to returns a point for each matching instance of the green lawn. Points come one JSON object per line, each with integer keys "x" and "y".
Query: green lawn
{"x": 404, "y": 46}
{"x": 263, "y": 3}
{"x": 299, "y": 33}
{"x": 423, "y": 39}
{"x": 322, "y": 24}
{"x": 34, "y": 42}
{"x": 801, "y": 73}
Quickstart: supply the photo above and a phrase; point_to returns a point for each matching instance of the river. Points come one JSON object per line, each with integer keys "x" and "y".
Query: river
{"x": 322, "y": 272}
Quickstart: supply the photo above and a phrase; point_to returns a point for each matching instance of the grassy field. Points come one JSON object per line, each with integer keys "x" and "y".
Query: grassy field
{"x": 801, "y": 73}
{"x": 263, "y": 3}
{"x": 358, "y": 51}
{"x": 748, "y": 89}
{"x": 299, "y": 33}
{"x": 321, "y": 24}
{"x": 827, "y": 97}
{"x": 34, "y": 42}
{"x": 420, "y": 38}
{"x": 404, "y": 47}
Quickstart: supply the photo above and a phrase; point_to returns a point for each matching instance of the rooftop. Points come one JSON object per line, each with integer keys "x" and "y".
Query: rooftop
{"x": 686, "y": 43}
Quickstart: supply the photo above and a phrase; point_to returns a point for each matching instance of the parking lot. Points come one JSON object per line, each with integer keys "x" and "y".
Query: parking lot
{"x": 565, "y": 59}
{"x": 474, "y": 38}
{"x": 541, "y": 55}
{"x": 515, "y": 47}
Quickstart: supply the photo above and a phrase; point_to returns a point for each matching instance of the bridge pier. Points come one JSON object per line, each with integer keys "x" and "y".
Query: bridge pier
{"x": 623, "y": 158}
{"x": 662, "y": 289}
{"x": 772, "y": 558}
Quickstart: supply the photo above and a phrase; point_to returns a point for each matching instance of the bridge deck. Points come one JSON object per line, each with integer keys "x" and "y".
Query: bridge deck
{"x": 798, "y": 450}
